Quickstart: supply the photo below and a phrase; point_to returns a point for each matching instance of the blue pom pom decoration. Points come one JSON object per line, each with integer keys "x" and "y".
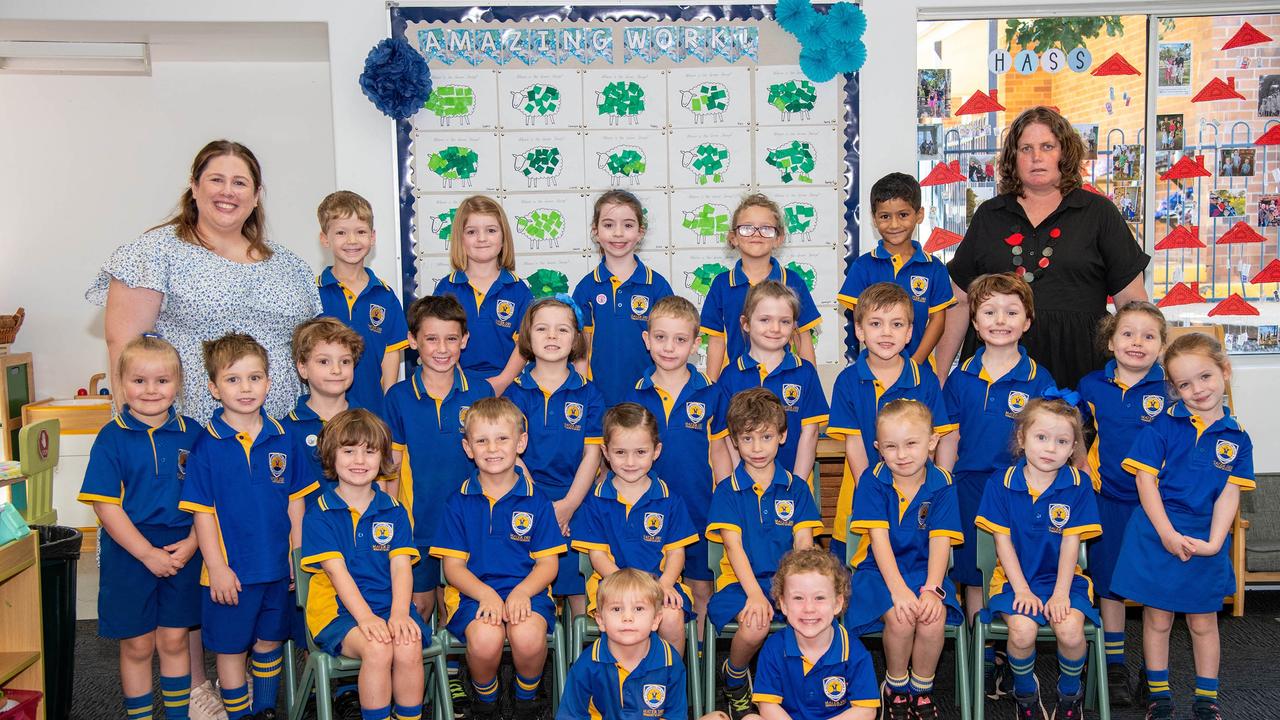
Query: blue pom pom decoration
{"x": 816, "y": 64}
{"x": 396, "y": 78}
{"x": 849, "y": 18}
{"x": 794, "y": 14}
{"x": 831, "y": 42}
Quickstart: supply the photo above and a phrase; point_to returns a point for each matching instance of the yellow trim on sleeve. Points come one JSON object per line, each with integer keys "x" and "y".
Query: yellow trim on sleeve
{"x": 815, "y": 524}
{"x": 815, "y": 420}
{"x": 944, "y": 429}
{"x": 593, "y": 441}
{"x": 397, "y": 347}
{"x": 442, "y": 552}
{"x": 1244, "y": 483}
{"x": 682, "y": 542}
{"x": 708, "y": 331}
{"x": 942, "y": 306}
{"x": 90, "y": 498}
{"x": 816, "y": 322}
{"x": 842, "y": 432}
{"x": 399, "y": 447}
{"x": 1084, "y": 531}
{"x": 311, "y": 563}
{"x": 412, "y": 552}
{"x": 584, "y": 546}
{"x": 991, "y": 527}
{"x": 956, "y": 537}
{"x": 713, "y": 531}
{"x": 865, "y": 703}
{"x": 1134, "y": 466}
{"x": 863, "y": 526}
{"x": 721, "y": 435}
{"x": 191, "y": 507}
{"x": 550, "y": 552}
{"x": 762, "y": 697}
{"x": 847, "y": 301}
{"x": 315, "y": 485}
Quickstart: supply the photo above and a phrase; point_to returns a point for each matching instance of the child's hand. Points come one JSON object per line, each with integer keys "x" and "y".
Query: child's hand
{"x": 518, "y": 607}
{"x": 1202, "y": 548}
{"x": 490, "y": 610}
{"x": 375, "y": 629}
{"x": 671, "y": 597}
{"x": 564, "y": 513}
{"x": 224, "y": 586}
{"x": 159, "y": 562}
{"x": 1176, "y": 544}
{"x": 930, "y": 606}
{"x": 181, "y": 552}
{"x": 905, "y": 607}
{"x": 403, "y": 629}
{"x": 1026, "y": 602}
{"x": 1058, "y": 607}
{"x": 758, "y": 612}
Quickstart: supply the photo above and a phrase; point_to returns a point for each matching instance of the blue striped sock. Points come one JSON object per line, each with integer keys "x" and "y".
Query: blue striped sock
{"x": 1206, "y": 689}
{"x": 526, "y": 688}
{"x": 236, "y": 702}
{"x": 1069, "y": 675}
{"x": 1114, "y": 642}
{"x": 138, "y": 708}
{"x": 408, "y": 712}
{"x": 265, "y": 668}
{"x": 734, "y": 676}
{"x": 382, "y": 713}
{"x": 176, "y": 693}
{"x": 486, "y": 692}
{"x": 989, "y": 654}
{"x": 1024, "y": 674}
{"x": 921, "y": 685}
{"x": 1158, "y": 683}
{"x": 897, "y": 684}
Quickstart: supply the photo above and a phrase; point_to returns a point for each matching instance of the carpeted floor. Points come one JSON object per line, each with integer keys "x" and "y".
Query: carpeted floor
{"x": 1250, "y": 647}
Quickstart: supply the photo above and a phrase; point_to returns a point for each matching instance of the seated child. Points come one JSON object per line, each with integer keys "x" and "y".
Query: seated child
{"x": 326, "y": 353}
{"x": 905, "y": 512}
{"x": 498, "y": 540}
{"x": 814, "y": 669}
{"x": 758, "y": 514}
{"x": 632, "y": 520}
{"x": 1039, "y": 511}
{"x": 359, "y": 604}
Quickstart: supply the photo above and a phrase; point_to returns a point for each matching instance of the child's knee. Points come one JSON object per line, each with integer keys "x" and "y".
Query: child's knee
{"x": 672, "y": 618}
{"x": 896, "y": 627}
{"x": 1071, "y": 630}
{"x": 139, "y": 648}
{"x": 172, "y": 642}
{"x": 1202, "y": 623}
{"x": 484, "y": 641}
{"x": 1022, "y": 630}
{"x": 529, "y": 636}
{"x": 407, "y": 655}
{"x": 751, "y": 635}
{"x": 1158, "y": 620}
{"x": 377, "y": 654}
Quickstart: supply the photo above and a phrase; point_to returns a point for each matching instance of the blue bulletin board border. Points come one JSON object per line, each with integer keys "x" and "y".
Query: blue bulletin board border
{"x": 402, "y": 16}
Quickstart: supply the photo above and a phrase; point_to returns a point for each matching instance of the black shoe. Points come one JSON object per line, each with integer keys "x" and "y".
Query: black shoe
{"x": 347, "y": 706}
{"x": 737, "y": 700}
{"x": 922, "y": 708}
{"x": 1118, "y": 686}
{"x": 1069, "y": 707}
{"x": 1205, "y": 709}
{"x": 461, "y": 700}
{"x": 1160, "y": 709}
{"x": 997, "y": 680}
{"x": 267, "y": 714}
{"x": 1030, "y": 707}
{"x": 1141, "y": 693}
{"x": 484, "y": 711}
{"x": 535, "y": 709}
{"x": 894, "y": 705}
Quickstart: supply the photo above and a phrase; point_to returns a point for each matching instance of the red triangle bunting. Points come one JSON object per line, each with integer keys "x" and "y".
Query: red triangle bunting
{"x": 1245, "y": 36}
{"x": 1186, "y": 168}
{"x": 1180, "y": 294}
{"x": 1115, "y": 65}
{"x": 1218, "y": 89}
{"x": 979, "y": 103}
{"x": 942, "y": 174}
{"x": 1181, "y": 237}
{"x": 1240, "y": 233}
{"x": 1268, "y": 274}
{"x": 1270, "y": 137}
{"x": 941, "y": 239}
{"x": 1234, "y": 305}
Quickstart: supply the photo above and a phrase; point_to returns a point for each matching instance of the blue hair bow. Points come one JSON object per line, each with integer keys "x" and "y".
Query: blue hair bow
{"x": 567, "y": 300}
{"x": 1070, "y": 397}
{"x": 153, "y": 335}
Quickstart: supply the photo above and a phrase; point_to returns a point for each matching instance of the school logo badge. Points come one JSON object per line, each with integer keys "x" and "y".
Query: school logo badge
{"x": 833, "y": 686}
{"x": 655, "y": 695}
{"x": 182, "y": 463}
{"x": 639, "y": 304}
{"x": 462, "y": 415}
{"x": 919, "y": 285}
{"x": 922, "y": 516}
{"x": 1017, "y": 401}
{"x": 696, "y": 411}
{"x": 653, "y": 523}
{"x": 1226, "y": 451}
{"x": 277, "y": 462}
{"x": 790, "y": 394}
{"x": 1059, "y": 514}
{"x": 505, "y": 310}
{"x": 377, "y": 314}
{"x": 521, "y": 523}
{"x": 383, "y": 532}
{"x": 784, "y": 508}
{"x": 1152, "y": 405}
{"x": 573, "y": 412}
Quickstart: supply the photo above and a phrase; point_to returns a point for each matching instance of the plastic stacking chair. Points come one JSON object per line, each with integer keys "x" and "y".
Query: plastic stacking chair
{"x": 321, "y": 667}
{"x": 38, "y": 448}
{"x": 1096, "y": 695}
{"x": 710, "y": 664}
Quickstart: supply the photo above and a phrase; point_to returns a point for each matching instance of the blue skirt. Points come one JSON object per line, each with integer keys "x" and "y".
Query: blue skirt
{"x": 1003, "y": 603}
{"x": 870, "y": 599}
{"x": 969, "y": 487}
{"x": 1148, "y": 574}
{"x": 1104, "y": 550}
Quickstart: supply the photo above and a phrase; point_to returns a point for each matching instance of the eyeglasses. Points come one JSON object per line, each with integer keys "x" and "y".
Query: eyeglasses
{"x": 765, "y": 231}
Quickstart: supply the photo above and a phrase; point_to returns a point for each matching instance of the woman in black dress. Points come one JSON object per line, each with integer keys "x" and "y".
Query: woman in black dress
{"x": 1072, "y": 245}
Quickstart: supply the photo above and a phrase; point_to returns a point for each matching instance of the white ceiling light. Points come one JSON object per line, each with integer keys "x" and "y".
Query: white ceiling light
{"x": 74, "y": 58}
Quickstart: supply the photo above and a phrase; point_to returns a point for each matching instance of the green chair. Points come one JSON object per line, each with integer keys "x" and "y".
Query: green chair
{"x": 1095, "y": 680}
{"x": 321, "y": 667}
{"x": 38, "y": 450}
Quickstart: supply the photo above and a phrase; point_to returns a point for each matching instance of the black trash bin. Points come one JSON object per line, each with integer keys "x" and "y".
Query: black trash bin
{"x": 59, "y": 552}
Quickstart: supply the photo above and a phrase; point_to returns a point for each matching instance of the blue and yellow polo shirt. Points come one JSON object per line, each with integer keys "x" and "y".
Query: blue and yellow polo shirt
{"x": 376, "y": 314}
{"x": 722, "y": 309}
{"x": 795, "y": 382}
{"x": 1118, "y": 413}
{"x": 366, "y": 542}
{"x": 766, "y": 518}
{"x": 1037, "y": 523}
{"x": 499, "y": 538}
{"x": 912, "y": 523}
{"x": 616, "y": 311}
{"x": 635, "y": 536}
{"x": 598, "y": 688}
{"x": 562, "y": 421}
{"x": 857, "y": 399}
{"x": 843, "y": 677}
{"x": 428, "y": 432}
{"x": 247, "y": 485}
{"x": 984, "y": 409}
{"x": 493, "y": 319}
{"x": 141, "y": 468}
{"x": 923, "y": 276}
{"x": 303, "y": 423}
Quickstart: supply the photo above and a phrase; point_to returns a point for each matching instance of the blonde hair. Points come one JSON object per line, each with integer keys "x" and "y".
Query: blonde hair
{"x": 675, "y": 306}
{"x": 984, "y": 286}
{"x": 307, "y": 335}
{"x": 811, "y": 560}
{"x": 185, "y": 220}
{"x": 493, "y": 410}
{"x": 630, "y": 416}
{"x": 480, "y": 205}
{"x": 1054, "y": 406}
{"x": 904, "y": 410}
{"x": 760, "y": 200}
{"x": 1108, "y": 324}
{"x": 227, "y": 350}
{"x": 1069, "y": 142}
{"x": 629, "y": 581}
{"x": 352, "y": 428}
{"x": 882, "y": 295}
{"x": 149, "y": 344}
{"x": 768, "y": 290}
{"x": 755, "y": 409}
{"x": 343, "y": 204}
{"x": 1197, "y": 344}
{"x": 525, "y": 345}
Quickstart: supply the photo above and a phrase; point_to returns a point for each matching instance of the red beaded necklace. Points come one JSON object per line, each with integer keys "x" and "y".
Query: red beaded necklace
{"x": 1022, "y": 257}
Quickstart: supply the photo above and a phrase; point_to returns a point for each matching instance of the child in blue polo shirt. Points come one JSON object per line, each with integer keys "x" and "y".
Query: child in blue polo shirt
{"x": 757, "y": 231}
{"x": 425, "y": 412}
{"x": 881, "y": 374}
{"x": 483, "y": 257}
{"x": 897, "y": 212}
{"x": 327, "y": 354}
{"x": 1119, "y": 401}
{"x": 499, "y": 540}
{"x": 769, "y": 317}
{"x": 683, "y": 401}
{"x": 358, "y": 542}
{"x": 758, "y": 514}
{"x": 814, "y": 669}
{"x": 350, "y": 292}
{"x": 149, "y": 586}
{"x": 1039, "y": 511}
{"x": 617, "y": 296}
{"x": 633, "y": 520}
{"x": 565, "y": 415}
{"x": 905, "y": 512}
{"x": 246, "y": 480}
{"x": 1191, "y": 465}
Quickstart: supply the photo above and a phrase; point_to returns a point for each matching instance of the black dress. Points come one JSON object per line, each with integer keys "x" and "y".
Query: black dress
{"x": 1094, "y": 256}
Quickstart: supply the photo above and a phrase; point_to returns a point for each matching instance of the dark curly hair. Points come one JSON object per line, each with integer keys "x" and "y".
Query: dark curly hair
{"x": 1068, "y": 140}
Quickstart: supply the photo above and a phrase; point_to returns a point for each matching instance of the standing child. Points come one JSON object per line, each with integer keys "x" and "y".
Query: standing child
{"x": 757, "y": 231}
{"x": 327, "y": 355}
{"x": 350, "y": 292}
{"x": 633, "y": 520}
{"x": 1039, "y": 511}
{"x": 565, "y": 416}
{"x": 149, "y": 588}
{"x": 617, "y": 297}
{"x": 483, "y": 258}
{"x": 905, "y": 511}
{"x": 897, "y": 211}
{"x": 358, "y": 542}
{"x": 814, "y": 669}
{"x": 1191, "y": 464}
{"x": 245, "y": 485}
{"x": 769, "y": 316}
{"x": 1120, "y": 400}
{"x": 758, "y": 514}
{"x": 499, "y": 579}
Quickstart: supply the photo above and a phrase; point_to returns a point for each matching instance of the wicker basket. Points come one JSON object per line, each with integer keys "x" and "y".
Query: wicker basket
{"x": 9, "y": 326}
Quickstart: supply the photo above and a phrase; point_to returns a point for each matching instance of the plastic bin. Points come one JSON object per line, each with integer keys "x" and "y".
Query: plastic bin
{"x": 59, "y": 553}
{"x": 26, "y": 704}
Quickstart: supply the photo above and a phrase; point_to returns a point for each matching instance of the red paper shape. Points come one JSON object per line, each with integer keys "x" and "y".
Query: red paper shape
{"x": 941, "y": 239}
{"x": 1180, "y": 294}
{"x": 1186, "y": 168}
{"x": 980, "y": 103}
{"x": 1240, "y": 233}
{"x": 1268, "y": 274}
{"x": 1234, "y": 305}
{"x": 1181, "y": 237}
{"x": 1218, "y": 89}
{"x": 1093, "y": 190}
{"x": 943, "y": 174}
{"x": 1270, "y": 137}
{"x": 1115, "y": 65}
{"x": 1245, "y": 36}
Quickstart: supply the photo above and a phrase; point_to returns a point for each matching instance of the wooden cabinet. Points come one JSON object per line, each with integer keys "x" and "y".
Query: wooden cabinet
{"x": 21, "y": 643}
{"x": 17, "y": 388}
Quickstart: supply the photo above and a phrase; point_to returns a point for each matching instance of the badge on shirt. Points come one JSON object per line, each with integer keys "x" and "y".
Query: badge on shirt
{"x": 834, "y": 686}
{"x": 639, "y": 305}
{"x": 312, "y": 439}
{"x": 382, "y": 534}
{"x": 521, "y": 523}
{"x": 277, "y": 462}
{"x": 1226, "y": 452}
{"x": 1017, "y": 401}
{"x": 505, "y": 310}
{"x": 919, "y": 285}
{"x": 182, "y": 463}
{"x": 922, "y": 516}
{"x": 785, "y": 509}
{"x": 790, "y": 394}
{"x": 1152, "y": 405}
{"x": 572, "y": 414}
{"x": 653, "y": 523}
{"x": 696, "y": 411}
{"x": 655, "y": 695}
{"x": 1059, "y": 514}
{"x": 601, "y": 298}
{"x": 377, "y": 314}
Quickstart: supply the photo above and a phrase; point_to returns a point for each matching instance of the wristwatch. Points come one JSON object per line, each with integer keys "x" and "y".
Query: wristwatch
{"x": 942, "y": 594}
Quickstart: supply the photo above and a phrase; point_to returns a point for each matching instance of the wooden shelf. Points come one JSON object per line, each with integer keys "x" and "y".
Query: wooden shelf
{"x": 12, "y": 663}
{"x": 21, "y": 639}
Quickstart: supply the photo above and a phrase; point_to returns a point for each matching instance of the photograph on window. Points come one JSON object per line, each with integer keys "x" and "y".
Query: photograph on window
{"x": 1236, "y": 162}
{"x": 1226, "y": 203}
{"x": 1174, "y": 68}
{"x": 934, "y": 97}
{"x": 1089, "y": 135}
{"x": 1269, "y": 96}
{"x": 1169, "y": 132}
{"x": 927, "y": 140}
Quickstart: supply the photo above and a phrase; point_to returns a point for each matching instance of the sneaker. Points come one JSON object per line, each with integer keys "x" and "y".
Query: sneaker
{"x": 485, "y": 711}
{"x": 1030, "y": 707}
{"x": 347, "y": 706}
{"x": 267, "y": 714}
{"x": 535, "y": 709}
{"x": 206, "y": 703}
{"x": 923, "y": 708}
{"x": 997, "y": 680}
{"x": 1160, "y": 709}
{"x": 1069, "y": 707}
{"x": 461, "y": 700}
{"x": 737, "y": 699}
{"x": 1206, "y": 710}
{"x": 1118, "y": 686}
{"x": 894, "y": 705}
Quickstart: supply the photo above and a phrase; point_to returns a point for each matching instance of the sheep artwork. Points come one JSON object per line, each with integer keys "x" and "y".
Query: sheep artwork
{"x": 706, "y": 100}
{"x": 537, "y": 101}
{"x": 442, "y": 224}
{"x": 799, "y": 220}
{"x": 452, "y": 103}
{"x": 541, "y": 225}
{"x": 539, "y": 163}
{"x": 699, "y": 279}
{"x": 707, "y": 161}
{"x": 621, "y": 99}
{"x": 708, "y": 222}
{"x": 623, "y": 162}
{"x": 794, "y": 161}
{"x": 545, "y": 282}
{"x": 795, "y": 99}
{"x": 454, "y": 164}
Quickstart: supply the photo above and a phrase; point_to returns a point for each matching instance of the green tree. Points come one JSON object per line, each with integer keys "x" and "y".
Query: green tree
{"x": 1065, "y": 33}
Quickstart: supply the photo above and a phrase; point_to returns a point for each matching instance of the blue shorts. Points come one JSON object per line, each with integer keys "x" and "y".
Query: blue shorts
{"x": 264, "y": 612}
{"x": 132, "y": 601}
{"x": 681, "y": 589}
{"x": 330, "y": 638}
{"x": 695, "y": 561}
{"x": 1104, "y": 550}
{"x": 1003, "y": 603}
{"x": 569, "y": 580}
{"x": 426, "y": 572}
{"x": 464, "y": 613}
{"x": 727, "y": 602}
{"x": 964, "y": 566}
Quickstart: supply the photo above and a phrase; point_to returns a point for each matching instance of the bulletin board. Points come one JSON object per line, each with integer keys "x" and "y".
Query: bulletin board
{"x": 545, "y": 108}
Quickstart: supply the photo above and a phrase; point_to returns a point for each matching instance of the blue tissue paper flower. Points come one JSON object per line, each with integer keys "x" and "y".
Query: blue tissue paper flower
{"x": 794, "y": 15}
{"x": 816, "y": 64}
{"x": 849, "y": 18}
{"x": 396, "y": 78}
{"x": 831, "y": 42}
